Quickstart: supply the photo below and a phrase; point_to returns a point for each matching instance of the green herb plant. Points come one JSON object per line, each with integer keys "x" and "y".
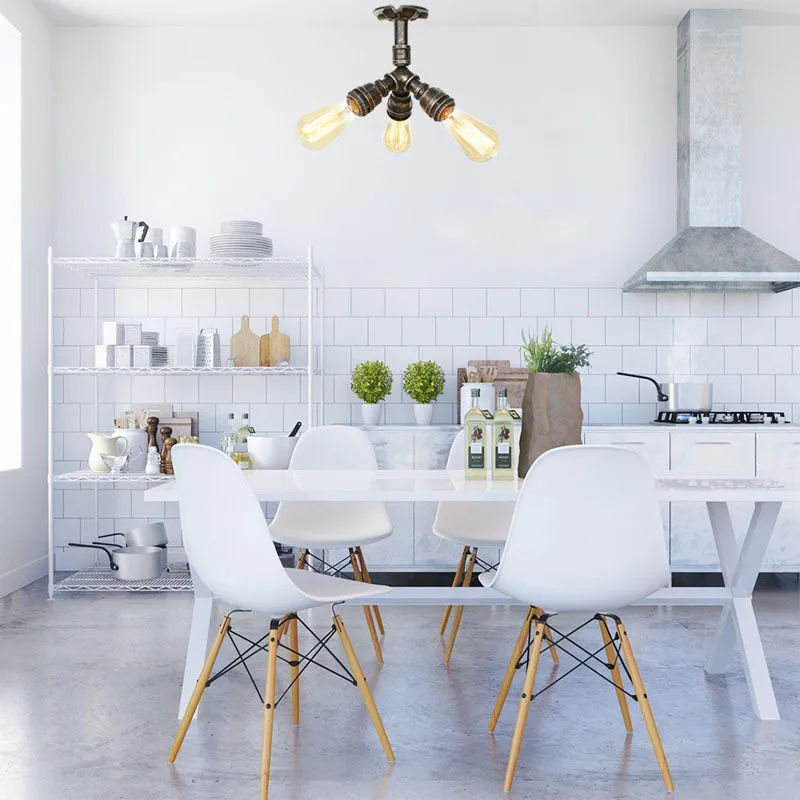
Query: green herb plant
{"x": 371, "y": 381}
{"x": 542, "y": 354}
{"x": 423, "y": 381}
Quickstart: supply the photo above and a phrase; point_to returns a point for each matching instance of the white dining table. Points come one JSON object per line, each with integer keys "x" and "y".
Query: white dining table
{"x": 740, "y": 559}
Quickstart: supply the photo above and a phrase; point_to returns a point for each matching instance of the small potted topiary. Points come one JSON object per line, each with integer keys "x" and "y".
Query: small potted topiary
{"x": 371, "y": 382}
{"x": 423, "y": 382}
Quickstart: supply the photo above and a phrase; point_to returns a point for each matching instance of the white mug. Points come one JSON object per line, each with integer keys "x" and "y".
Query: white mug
{"x": 182, "y": 241}
{"x": 146, "y": 250}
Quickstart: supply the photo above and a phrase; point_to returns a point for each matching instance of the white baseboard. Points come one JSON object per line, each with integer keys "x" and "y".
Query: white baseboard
{"x": 21, "y": 576}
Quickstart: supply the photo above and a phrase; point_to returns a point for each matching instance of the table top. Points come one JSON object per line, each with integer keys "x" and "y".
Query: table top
{"x": 452, "y": 486}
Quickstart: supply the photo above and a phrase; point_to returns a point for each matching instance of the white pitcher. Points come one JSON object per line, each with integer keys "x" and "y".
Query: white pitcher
{"x": 108, "y": 445}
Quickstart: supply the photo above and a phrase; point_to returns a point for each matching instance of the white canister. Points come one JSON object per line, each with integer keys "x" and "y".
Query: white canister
{"x": 137, "y": 447}
{"x": 182, "y": 241}
{"x": 488, "y": 401}
{"x": 184, "y": 347}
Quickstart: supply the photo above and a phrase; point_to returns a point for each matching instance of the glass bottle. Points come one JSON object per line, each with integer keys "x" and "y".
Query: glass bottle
{"x": 475, "y": 439}
{"x": 503, "y": 435}
{"x": 228, "y": 441}
{"x": 245, "y": 430}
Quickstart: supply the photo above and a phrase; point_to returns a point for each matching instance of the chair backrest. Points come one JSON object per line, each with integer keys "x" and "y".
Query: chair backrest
{"x": 338, "y": 447}
{"x": 587, "y": 532}
{"x": 334, "y": 447}
{"x": 225, "y": 534}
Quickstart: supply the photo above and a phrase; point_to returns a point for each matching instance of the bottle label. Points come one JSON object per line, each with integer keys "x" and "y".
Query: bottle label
{"x": 477, "y": 448}
{"x": 502, "y": 456}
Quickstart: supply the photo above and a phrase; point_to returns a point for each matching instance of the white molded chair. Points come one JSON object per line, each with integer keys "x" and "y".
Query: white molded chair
{"x": 473, "y": 525}
{"x": 587, "y": 524}
{"x": 229, "y": 548}
{"x": 335, "y": 525}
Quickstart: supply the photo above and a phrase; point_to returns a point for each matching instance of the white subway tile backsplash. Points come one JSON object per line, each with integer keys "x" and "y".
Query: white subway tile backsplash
{"x": 79, "y": 331}
{"x": 470, "y": 302}
{"x": 502, "y": 303}
{"x": 673, "y": 304}
{"x": 655, "y": 330}
{"x": 741, "y": 304}
{"x": 690, "y": 331}
{"x": 639, "y": 359}
{"x": 131, "y": 303}
{"x": 741, "y": 360}
{"x": 560, "y": 327}
{"x": 337, "y": 302}
{"x": 787, "y": 389}
{"x": 705, "y": 360}
{"x": 605, "y": 302}
{"x": 593, "y": 388}
{"x": 443, "y": 356}
{"x": 337, "y": 360}
{"x": 283, "y": 389}
{"x": 638, "y": 413}
{"x": 295, "y": 303}
{"x": 164, "y": 302}
{"x": 463, "y": 354}
{"x": 398, "y": 358}
{"x": 67, "y": 417}
{"x": 758, "y": 330}
{"x": 367, "y": 303}
{"x": 268, "y": 418}
{"x": 251, "y": 388}
{"x": 267, "y": 302}
{"x": 538, "y": 303}
{"x": 363, "y": 353}
{"x": 620, "y": 389}
{"x": 402, "y": 302}
{"x": 674, "y": 362}
{"x": 606, "y": 360}
{"x": 622, "y": 330}
{"x": 724, "y": 330}
{"x": 727, "y": 388}
{"x": 350, "y": 331}
{"x": 486, "y": 331}
{"x": 385, "y": 331}
{"x": 67, "y": 302}
{"x": 774, "y": 360}
{"x": 638, "y": 304}
{"x": 605, "y": 414}
{"x": 775, "y": 304}
{"x": 216, "y": 389}
{"x": 590, "y": 331}
{"x": 147, "y": 389}
{"x": 435, "y": 302}
{"x": 571, "y": 302}
{"x": 760, "y": 389}
{"x": 787, "y": 330}
{"x": 232, "y": 303}
{"x": 514, "y": 328}
{"x": 419, "y": 331}
{"x": 198, "y": 302}
{"x": 707, "y": 304}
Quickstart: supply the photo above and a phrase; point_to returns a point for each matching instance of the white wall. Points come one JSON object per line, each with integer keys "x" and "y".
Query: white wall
{"x": 192, "y": 126}
{"x": 23, "y": 496}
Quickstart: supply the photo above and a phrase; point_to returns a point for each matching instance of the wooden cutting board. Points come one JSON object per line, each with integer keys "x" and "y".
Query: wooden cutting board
{"x": 244, "y": 345}
{"x": 275, "y": 346}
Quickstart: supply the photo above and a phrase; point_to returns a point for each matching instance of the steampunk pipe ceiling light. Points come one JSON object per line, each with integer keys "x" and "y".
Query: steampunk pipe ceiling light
{"x": 319, "y": 128}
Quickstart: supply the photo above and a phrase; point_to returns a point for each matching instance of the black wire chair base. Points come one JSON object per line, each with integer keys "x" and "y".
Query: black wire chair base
{"x": 318, "y": 564}
{"x": 559, "y": 638}
{"x": 295, "y": 658}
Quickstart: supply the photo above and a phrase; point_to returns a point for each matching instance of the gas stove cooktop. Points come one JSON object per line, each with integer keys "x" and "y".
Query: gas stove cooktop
{"x": 720, "y": 418}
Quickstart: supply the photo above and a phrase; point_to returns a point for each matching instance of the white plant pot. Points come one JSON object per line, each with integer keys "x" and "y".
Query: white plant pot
{"x": 371, "y": 412}
{"x": 423, "y": 413}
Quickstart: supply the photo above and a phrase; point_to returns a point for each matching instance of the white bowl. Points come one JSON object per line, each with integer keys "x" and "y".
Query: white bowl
{"x": 270, "y": 452}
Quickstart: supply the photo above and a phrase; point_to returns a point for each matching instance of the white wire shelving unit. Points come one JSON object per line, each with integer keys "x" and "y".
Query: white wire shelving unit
{"x": 277, "y": 273}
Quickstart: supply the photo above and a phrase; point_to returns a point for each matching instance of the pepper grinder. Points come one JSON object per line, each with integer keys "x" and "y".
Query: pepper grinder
{"x": 166, "y": 433}
{"x": 166, "y": 458}
{"x": 152, "y": 427}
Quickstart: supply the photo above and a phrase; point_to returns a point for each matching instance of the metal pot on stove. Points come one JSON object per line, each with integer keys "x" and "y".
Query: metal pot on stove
{"x": 679, "y": 395}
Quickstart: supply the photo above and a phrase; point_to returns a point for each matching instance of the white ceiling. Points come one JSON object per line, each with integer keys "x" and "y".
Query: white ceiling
{"x": 443, "y": 12}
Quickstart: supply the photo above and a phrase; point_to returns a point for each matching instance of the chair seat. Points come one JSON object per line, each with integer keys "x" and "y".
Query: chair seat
{"x": 472, "y": 523}
{"x": 486, "y": 538}
{"x": 327, "y": 589}
{"x": 314, "y": 538}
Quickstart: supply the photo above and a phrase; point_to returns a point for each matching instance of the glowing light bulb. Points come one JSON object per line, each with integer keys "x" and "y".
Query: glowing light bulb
{"x": 397, "y": 136}
{"x": 475, "y": 138}
{"x": 319, "y": 128}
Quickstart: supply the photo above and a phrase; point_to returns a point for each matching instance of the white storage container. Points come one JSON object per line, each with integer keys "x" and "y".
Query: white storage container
{"x": 123, "y": 355}
{"x": 113, "y": 333}
{"x": 104, "y": 355}
{"x": 133, "y": 333}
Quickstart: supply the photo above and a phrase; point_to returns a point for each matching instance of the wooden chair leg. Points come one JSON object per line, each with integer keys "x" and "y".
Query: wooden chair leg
{"x": 294, "y": 671}
{"x": 616, "y": 674}
{"x": 301, "y": 559}
{"x": 269, "y": 709}
{"x": 361, "y": 681}
{"x": 644, "y": 704}
{"x": 548, "y": 635}
{"x": 460, "y": 609}
{"x": 376, "y": 645}
{"x": 456, "y": 580}
{"x": 362, "y": 562}
{"x": 524, "y": 705}
{"x": 510, "y": 670}
{"x": 199, "y": 688}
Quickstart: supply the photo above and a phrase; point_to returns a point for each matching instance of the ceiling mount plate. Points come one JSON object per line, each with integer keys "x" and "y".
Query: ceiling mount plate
{"x": 407, "y": 13}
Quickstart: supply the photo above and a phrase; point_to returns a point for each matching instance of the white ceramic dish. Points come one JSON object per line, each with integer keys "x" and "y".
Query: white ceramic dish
{"x": 270, "y": 452}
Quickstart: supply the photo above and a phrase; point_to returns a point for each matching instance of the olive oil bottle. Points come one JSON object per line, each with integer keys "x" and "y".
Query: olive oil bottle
{"x": 503, "y": 436}
{"x": 475, "y": 439}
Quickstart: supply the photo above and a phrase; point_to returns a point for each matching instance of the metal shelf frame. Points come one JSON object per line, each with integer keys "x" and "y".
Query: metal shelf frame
{"x": 211, "y": 272}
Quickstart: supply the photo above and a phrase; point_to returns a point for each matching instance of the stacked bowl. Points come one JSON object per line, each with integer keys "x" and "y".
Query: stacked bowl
{"x": 240, "y": 238}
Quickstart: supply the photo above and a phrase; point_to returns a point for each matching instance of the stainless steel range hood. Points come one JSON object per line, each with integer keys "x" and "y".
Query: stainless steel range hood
{"x": 712, "y": 252}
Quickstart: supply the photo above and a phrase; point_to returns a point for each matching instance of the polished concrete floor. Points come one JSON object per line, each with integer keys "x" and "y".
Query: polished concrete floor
{"x": 89, "y": 688}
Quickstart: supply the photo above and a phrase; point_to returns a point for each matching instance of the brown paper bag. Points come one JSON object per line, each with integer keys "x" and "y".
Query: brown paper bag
{"x": 551, "y": 416}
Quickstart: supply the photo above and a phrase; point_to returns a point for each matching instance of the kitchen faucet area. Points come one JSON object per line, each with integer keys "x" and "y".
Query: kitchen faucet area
{"x": 346, "y": 458}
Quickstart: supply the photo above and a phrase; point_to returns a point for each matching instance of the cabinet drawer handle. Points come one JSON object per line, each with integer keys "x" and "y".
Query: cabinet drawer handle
{"x": 716, "y": 444}
{"x": 640, "y": 443}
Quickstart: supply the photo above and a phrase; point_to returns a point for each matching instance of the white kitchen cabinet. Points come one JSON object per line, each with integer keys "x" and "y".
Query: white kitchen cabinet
{"x": 778, "y": 456}
{"x": 718, "y": 454}
{"x": 653, "y": 447}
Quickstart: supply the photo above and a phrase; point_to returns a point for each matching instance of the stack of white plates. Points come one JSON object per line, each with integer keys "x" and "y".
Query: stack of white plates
{"x": 240, "y": 238}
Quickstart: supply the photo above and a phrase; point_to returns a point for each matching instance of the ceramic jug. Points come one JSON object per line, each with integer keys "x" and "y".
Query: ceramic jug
{"x": 137, "y": 447}
{"x": 108, "y": 445}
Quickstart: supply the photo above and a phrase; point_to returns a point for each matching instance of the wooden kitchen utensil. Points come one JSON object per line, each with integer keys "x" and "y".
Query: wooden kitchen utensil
{"x": 263, "y": 351}
{"x": 279, "y": 346}
{"x": 244, "y": 345}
